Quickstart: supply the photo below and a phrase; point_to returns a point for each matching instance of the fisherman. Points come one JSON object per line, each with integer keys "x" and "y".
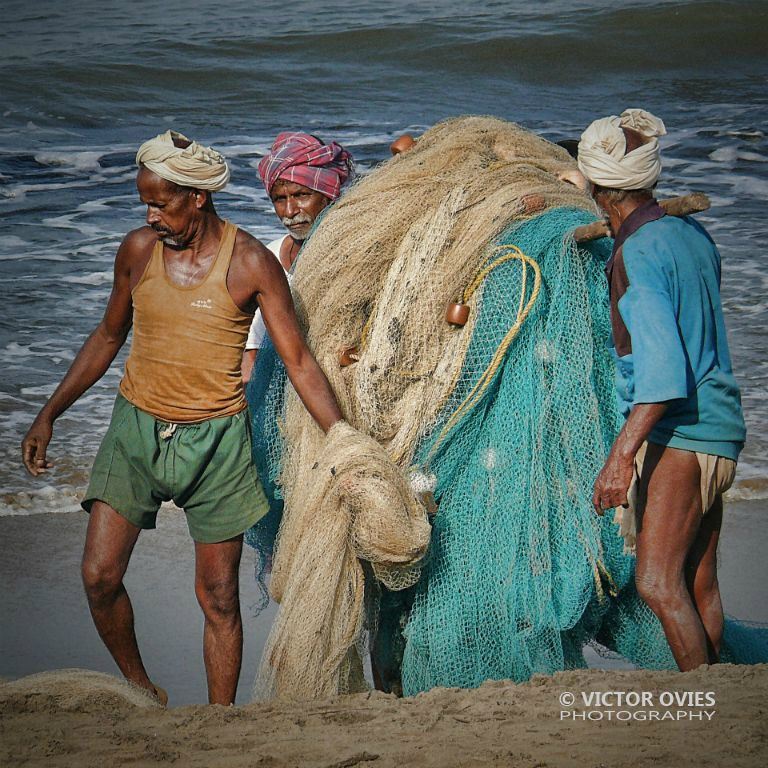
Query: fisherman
{"x": 676, "y": 453}
{"x": 179, "y": 428}
{"x": 302, "y": 176}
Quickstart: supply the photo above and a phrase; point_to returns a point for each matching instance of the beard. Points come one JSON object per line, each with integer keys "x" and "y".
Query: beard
{"x": 296, "y": 231}
{"x": 168, "y": 237}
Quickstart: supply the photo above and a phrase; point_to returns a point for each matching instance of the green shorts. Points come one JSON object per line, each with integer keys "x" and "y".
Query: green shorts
{"x": 205, "y": 468}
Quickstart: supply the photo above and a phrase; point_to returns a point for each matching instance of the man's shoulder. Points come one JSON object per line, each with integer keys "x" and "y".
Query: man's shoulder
{"x": 247, "y": 246}
{"x": 666, "y": 245}
{"x": 275, "y": 245}
{"x": 139, "y": 240}
{"x": 137, "y": 246}
{"x": 668, "y": 229}
{"x": 251, "y": 258}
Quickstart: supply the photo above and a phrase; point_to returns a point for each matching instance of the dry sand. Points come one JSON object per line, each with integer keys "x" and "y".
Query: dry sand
{"x": 90, "y": 719}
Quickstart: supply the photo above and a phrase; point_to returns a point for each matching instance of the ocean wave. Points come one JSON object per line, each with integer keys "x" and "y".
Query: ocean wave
{"x": 94, "y": 278}
{"x": 749, "y": 489}
{"x": 71, "y": 161}
{"x": 40, "y": 501}
{"x": 66, "y": 498}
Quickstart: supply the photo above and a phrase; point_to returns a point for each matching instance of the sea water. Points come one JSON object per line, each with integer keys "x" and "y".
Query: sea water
{"x": 83, "y": 84}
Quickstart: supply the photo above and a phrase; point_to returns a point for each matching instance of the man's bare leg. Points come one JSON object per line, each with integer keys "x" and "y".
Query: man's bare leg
{"x": 109, "y": 543}
{"x": 701, "y": 577}
{"x": 668, "y": 530}
{"x": 218, "y": 591}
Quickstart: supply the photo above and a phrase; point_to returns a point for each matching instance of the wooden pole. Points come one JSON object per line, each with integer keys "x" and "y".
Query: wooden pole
{"x": 674, "y": 206}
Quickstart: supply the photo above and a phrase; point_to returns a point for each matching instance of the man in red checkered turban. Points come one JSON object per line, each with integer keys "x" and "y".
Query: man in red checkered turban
{"x": 302, "y": 176}
{"x": 305, "y": 160}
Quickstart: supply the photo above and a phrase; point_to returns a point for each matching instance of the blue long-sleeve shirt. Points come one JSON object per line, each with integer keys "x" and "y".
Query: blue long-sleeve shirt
{"x": 676, "y": 351}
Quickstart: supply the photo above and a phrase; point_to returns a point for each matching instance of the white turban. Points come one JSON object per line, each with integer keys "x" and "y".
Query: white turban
{"x": 196, "y": 166}
{"x": 603, "y": 156}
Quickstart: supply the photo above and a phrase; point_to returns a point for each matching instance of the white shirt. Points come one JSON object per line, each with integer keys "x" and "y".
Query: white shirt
{"x": 258, "y": 329}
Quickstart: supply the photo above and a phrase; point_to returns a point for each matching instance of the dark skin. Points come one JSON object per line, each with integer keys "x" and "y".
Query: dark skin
{"x": 676, "y": 571}
{"x": 186, "y": 221}
{"x": 290, "y": 200}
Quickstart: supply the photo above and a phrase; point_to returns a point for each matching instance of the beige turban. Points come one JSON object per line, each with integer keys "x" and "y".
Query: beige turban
{"x": 603, "y": 156}
{"x": 196, "y": 166}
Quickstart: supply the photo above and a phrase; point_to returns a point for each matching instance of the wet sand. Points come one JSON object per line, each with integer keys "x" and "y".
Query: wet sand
{"x": 44, "y": 614}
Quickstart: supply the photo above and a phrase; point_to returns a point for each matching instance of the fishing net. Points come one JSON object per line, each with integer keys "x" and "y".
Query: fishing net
{"x": 503, "y": 422}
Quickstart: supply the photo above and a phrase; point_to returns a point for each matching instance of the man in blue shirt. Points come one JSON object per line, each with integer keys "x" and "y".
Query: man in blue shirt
{"x": 684, "y": 429}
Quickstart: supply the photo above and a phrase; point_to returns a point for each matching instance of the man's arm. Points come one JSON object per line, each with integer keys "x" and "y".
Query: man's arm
{"x": 90, "y": 364}
{"x": 615, "y": 477}
{"x": 249, "y": 360}
{"x": 268, "y": 280}
{"x": 660, "y": 364}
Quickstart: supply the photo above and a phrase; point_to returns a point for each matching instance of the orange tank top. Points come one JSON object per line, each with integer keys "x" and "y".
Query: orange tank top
{"x": 184, "y": 363}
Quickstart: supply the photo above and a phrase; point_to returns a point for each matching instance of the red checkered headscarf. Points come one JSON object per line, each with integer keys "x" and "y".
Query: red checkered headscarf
{"x": 305, "y": 160}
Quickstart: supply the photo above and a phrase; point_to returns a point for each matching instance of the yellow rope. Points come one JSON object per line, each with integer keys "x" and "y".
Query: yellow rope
{"x": 505, "y": 253}
{"x": 605, "y": 575}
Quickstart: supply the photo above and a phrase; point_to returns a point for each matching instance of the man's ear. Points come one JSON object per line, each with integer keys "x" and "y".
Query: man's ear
{"x": 201, "y": 197}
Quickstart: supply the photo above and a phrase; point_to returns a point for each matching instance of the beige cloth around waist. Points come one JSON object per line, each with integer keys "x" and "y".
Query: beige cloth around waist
{"x": 717, "y": 475}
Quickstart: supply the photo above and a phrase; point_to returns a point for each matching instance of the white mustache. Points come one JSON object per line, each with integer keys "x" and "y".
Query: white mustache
{"x": 299, "y": 218}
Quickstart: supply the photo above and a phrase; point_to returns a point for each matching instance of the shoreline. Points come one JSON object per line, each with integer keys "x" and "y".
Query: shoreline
{"x": 47, "y": 626}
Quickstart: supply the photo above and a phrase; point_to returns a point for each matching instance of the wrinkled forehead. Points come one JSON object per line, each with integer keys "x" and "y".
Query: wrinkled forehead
{"x": 150, "y": 185}
{"x": 285, "y": 187}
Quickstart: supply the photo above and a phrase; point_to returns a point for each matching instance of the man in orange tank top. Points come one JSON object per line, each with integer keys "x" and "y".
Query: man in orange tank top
{"x": 188, "y": 283}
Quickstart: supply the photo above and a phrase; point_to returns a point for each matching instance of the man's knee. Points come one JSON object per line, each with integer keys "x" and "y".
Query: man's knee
{"x": 658, "y": 590}
{"x": 100, "y": 578}
{"x": 218, "y": 597}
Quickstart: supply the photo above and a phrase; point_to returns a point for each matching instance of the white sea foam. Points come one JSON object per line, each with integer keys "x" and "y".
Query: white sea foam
{"x": 746, "y": 490}
{"x": 104, "y": 249}
{"x": 101, "y": 205}
{"x": 95, "y": 278}
{"x": 753, "y": 157}
{"x": 30, "y": 252}
{"x": 14, "y": 350}
{"x": 77, "y": 161}
{"x": 725, "y": 155}
{"x": 240, "y": 150}
{"x": 48, "y": 499}
{"x": 362, "y": 139}
{"x": 45, "y": 389}
{"x": 755, "y": 134}
{"x": 20, "y": 191}
{"x": 252, "y": 193}
{"x": 749, "y": 186}
{"x": 14, "y": 241}
{"x": 72, "y": 221}
{"x": 5, "y": 396}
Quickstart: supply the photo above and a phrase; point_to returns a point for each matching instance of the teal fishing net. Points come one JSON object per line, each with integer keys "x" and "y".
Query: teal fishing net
{"x": 265, "y": 394}
{"x": 519, "y": 575}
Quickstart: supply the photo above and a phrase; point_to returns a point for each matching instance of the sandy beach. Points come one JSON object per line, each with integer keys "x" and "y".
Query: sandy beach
{"x": 88, "y": 719}
{"x": 89, "y": 716}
